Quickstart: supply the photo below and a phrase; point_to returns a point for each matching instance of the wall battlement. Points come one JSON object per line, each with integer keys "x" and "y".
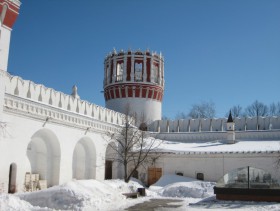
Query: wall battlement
{"x": 15, "y": 85}
{"x": 214, "y": 125}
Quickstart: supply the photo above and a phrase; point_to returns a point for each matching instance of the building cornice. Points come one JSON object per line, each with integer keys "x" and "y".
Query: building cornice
{"x": 27, "y": 108}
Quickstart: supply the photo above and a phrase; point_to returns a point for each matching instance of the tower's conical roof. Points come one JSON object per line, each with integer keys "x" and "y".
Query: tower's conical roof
{"x": 230, "y": 117}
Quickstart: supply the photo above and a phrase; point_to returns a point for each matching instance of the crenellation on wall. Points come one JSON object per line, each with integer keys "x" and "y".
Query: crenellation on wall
{"x": 214, "y": 125}
{"x": 15, "y": 85}
{"x": 45, "y": 113}
{"x": 186, "y": 137}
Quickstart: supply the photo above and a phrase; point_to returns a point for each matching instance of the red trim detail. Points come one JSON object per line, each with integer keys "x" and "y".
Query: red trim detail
{"x": 11, "y": 13}
{"x": 150, "y": 94}
{"x": 123, "y": 92}
{"x": 155, "y": 95}
{"x": 117, "y": 92}
{"x": 137, "y": 91}
{"x": 130, "y": 94}
{"x": 155, "y": 92}
{"x": 112, "y": 93}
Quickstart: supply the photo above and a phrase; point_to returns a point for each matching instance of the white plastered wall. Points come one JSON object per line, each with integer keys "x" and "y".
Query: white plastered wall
{"x": 213, "y": 166}
{"x": 19, "y": 133}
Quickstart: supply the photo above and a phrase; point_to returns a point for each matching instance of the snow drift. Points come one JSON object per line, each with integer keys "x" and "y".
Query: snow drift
{"x": 182, "y": 187}
{"x": 76, "y": 195}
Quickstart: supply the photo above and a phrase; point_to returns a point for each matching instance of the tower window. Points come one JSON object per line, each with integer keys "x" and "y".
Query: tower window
{"x": 119, "y": 72}
{"x": 154, "y": 74}
{"x": 107, "y": 72}
{"x": 138, "y": 72}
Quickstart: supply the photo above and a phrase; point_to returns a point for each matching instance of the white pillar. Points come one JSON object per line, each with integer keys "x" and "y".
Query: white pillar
{"x": 124, "y": 68}
{"x": 151, "y": 70}
{"x": 132, "y": 68}
{"x": 114, "y": 70}
{"x": 145, "y": 68}
{"x": 159, "y": 79}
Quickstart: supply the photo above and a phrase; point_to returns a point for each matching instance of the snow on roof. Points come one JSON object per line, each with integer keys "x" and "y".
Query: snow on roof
{"x": 220, "y": 146}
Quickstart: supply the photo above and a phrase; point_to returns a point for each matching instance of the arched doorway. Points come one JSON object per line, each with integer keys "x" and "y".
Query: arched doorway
{"x": 12, "y": 178}
{"x": 84, "y": 160}
{"x": 43, "y": 152}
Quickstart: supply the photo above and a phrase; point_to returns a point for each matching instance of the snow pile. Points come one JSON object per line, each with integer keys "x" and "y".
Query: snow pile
{"x": 182, "y": 187}
{"x": 197, "y": 189}
{"x": 171, "y": 178}
{"x": 13, "y": 203}
{"x": 123, "y": 187}
{"x": 77, "y": 195}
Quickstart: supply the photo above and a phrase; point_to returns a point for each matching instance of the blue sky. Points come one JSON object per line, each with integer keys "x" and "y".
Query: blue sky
{"x": 224, "y": 51}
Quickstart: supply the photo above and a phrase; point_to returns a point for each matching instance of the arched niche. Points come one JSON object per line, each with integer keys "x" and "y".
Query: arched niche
{"x": 84, "y": 160}
{"x": 44, "y": 154}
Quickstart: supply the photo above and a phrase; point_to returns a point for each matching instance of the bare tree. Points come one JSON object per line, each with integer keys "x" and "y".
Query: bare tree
{"x": 236, "y": 111}
{"x": 181, "y": 115}
{"x": 203, "y": 110}
{"x": 131, "y": 146}
{"x": 274, "y": 109}
{"x": 256, "y": 109}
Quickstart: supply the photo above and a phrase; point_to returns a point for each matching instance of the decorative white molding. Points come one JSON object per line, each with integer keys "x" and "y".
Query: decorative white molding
{"x": 40, "y": 111}
{"x": 17, "y": 2}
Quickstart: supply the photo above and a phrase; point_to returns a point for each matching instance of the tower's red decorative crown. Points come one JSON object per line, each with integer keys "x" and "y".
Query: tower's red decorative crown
{"x": 134, "y": 75}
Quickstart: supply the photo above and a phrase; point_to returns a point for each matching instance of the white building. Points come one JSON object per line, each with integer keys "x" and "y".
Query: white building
{"x": 59, "y": 137}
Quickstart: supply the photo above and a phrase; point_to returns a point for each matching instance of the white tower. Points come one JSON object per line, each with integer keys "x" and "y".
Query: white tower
{"x": 134, "y": 80}
{"x": 8, "y": 14}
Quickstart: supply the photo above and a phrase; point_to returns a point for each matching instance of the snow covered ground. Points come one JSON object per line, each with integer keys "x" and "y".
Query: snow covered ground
{"x": 107, "y": 195}
{"x": 220, "y": 146}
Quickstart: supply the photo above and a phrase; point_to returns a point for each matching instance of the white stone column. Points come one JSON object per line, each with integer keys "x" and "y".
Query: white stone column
{"x": 145, "y": 68}
{"x": 132, "y": 68}
{"x": 114, "y": 70}
{"x": 160, "y": 72}
{"x": 124, "y": 68}
{"x": 151, "y": 70}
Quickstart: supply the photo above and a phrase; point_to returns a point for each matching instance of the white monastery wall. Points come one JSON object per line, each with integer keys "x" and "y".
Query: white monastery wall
{"x": 53, "y": 134}
{"x": 214, "y": 166}
{"x": 217, "y": 135}
{"x": 214, "y": 125}
{"x": 49, "y": 149}
{"x": 39, "y": 93}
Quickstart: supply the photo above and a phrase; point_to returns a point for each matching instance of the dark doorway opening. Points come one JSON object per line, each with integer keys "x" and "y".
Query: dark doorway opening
{"x": 108, "y": 169}
{"x": 12, "y": 178}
